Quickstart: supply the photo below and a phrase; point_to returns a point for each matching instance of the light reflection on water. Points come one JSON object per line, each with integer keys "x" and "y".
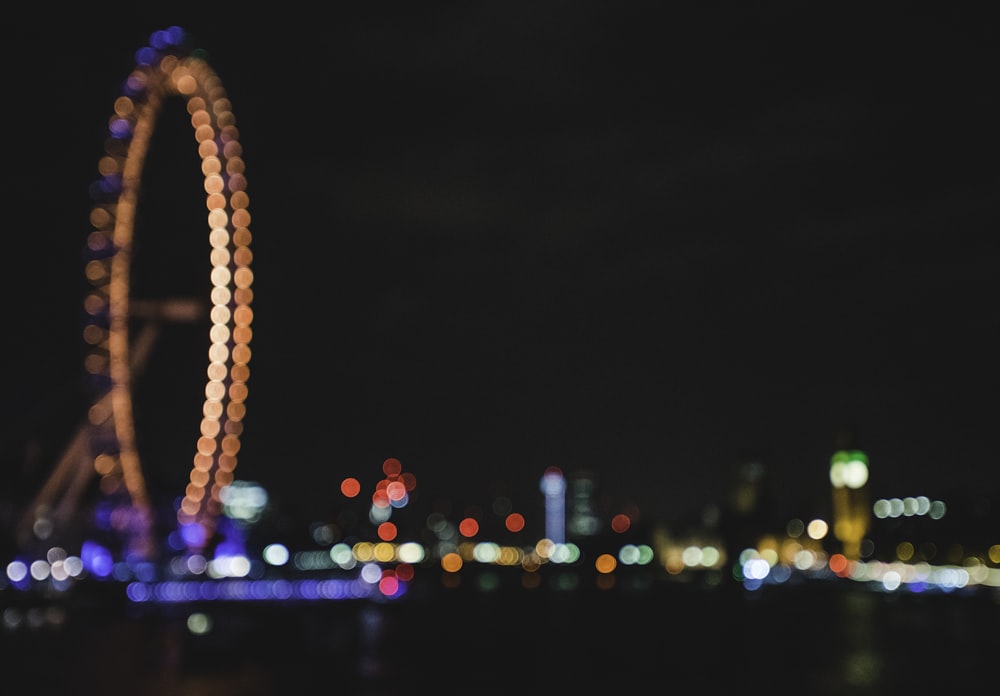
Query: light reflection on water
{"x": 815, "y": 640}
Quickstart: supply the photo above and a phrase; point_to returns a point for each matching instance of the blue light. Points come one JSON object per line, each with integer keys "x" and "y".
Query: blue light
{"x": 193, "y": 535}
{"x": 96, "y": 559}
{"x": 146, "y": 55}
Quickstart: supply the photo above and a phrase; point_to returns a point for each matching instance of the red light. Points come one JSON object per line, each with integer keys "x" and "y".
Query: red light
{"x": 350, "y": 487}
{"x": 515, "y": 522}
{"x": 387, "y": 531}
{"x": 469, "y": 527}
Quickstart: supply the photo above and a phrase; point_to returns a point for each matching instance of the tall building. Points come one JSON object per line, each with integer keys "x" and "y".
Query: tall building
{"x": 553, "y": 487}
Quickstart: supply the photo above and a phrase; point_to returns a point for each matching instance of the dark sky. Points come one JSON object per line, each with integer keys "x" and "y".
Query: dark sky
{"x": 495, "y": 237}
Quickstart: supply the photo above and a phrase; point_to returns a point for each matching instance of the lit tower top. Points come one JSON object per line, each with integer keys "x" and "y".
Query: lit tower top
{"x": 849, "y": 476}
{"x": 849, "y": 469}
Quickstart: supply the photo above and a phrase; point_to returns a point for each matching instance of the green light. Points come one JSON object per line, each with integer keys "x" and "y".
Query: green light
{"x": 849, "y": 468}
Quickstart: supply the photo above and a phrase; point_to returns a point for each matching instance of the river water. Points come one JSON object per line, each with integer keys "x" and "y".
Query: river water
{"x": 812, "y": 639}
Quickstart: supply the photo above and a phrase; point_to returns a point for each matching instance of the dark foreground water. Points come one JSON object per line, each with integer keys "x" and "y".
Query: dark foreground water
{"x": 819, "y": 639}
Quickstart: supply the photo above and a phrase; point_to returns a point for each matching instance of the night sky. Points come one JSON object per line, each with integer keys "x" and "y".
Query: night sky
{"x": 490, "y": 238}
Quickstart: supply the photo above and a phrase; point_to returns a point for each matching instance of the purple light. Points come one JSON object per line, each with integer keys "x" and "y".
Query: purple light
{"x": 166, "y": 38}
{"x": 96, "y": 559}
{"x": 138, "y": 592}
{"x": 146, "y": 55}
{"x": 193, "y": 535}
{"x": 120, "y": 128}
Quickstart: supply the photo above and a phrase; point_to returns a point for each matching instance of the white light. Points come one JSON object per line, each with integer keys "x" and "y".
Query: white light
{"x": 73, "y": 565}
{"x": 17, "y": 571}
{"x": 891, "y": 580}
{"x": 343, "y": 556}
{"x": 756, "y": 569}
{"x": 275, "y": 554}
{"x": 371, "y": 573}
{"x": 855, "y": 474}
{"x": 411, "y": 552}
{"x": 40, "y": 570}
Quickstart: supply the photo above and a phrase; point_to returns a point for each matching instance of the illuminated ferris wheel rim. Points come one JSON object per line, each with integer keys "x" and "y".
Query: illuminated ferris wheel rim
{"x": 162, "y": 72}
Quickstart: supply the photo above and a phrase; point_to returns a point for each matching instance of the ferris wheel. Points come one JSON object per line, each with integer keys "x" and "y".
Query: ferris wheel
{"x": 106, "y": 444}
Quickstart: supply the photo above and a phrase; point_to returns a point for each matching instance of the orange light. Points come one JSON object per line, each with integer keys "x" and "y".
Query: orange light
{"x": 451, "y": 562}
{"x": 350, "y": 487}
{"x": 605, "y": 563}
{"x": 839, "y": 564}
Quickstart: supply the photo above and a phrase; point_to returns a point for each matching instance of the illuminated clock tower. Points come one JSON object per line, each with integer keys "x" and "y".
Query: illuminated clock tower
{"x": 851, "y": 509}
